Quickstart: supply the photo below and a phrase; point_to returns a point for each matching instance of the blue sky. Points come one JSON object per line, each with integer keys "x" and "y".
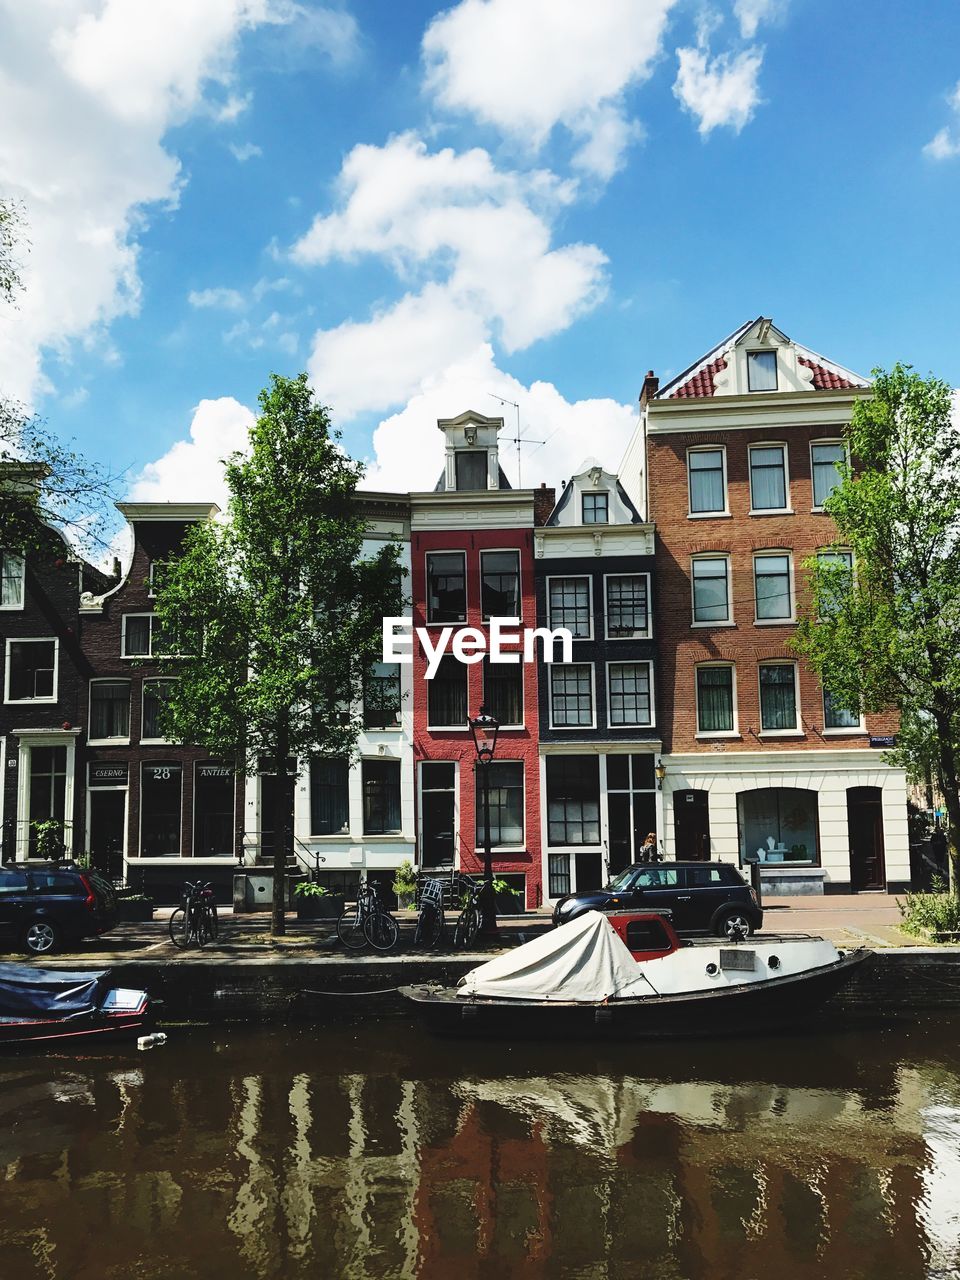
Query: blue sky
{"x": 423, "y": 205}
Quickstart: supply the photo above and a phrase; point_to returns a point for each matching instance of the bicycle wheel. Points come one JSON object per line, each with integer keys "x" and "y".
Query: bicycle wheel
{"x": 180, "y": 928}
{"x": 381, "y": 930}
{"x": 350, "y": 930}
{"x": 468, "y": 926}
{"x": 212, "y": 922}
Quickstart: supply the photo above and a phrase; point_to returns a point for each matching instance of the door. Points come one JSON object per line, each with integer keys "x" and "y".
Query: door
{"x": 691, "y": 826}
{"x": 437, "y": 813}
{"x": 589, "y": 871}
{"x": 108, "y": 811}
{"x": 865, "y": 830}
{"x": 269, "y": 794}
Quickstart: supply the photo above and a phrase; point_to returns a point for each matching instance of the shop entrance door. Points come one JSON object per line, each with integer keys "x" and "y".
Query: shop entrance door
{"x": 108, "y": 812}
{"x": 865, "y": 830}
{"x": 691, "y": 826}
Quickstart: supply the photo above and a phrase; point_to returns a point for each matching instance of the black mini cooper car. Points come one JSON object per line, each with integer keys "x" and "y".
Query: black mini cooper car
{"x": 700, "y": 897}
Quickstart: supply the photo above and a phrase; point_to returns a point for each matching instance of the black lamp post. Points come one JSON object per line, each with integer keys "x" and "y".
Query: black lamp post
{"x": 485, "y": 728}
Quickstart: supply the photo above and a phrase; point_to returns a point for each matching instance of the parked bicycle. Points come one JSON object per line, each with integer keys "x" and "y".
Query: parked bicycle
{"x": 430, "y": 921}
{"x": 195, "y": 922}
{"x": 368, "y": 921}
{"x": 468, "y": 922}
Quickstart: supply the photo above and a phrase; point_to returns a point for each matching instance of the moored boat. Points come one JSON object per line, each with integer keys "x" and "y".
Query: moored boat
{"x": 39, "y": 1006}
{"x": 629, "y": 975}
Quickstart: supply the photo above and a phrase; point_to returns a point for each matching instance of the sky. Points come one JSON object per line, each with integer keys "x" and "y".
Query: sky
{"x": 427, "y": 207}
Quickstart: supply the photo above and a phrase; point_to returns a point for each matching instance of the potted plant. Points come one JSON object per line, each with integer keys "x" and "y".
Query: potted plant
{"x": 316, "y": 902}
{"x": 509, "y": 900}
{"x": 405, "y": 885}
{"x": 50, "y": 844}
{"x": 134, "y": 906}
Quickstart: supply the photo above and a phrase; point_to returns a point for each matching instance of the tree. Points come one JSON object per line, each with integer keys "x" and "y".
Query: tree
{"x": 11, "y": 235}
{"x": 886, "y": 634}
{"x": 275, "y": 614}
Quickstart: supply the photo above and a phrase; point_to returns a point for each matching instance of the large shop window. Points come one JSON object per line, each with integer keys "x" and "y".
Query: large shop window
{"x": 48, "y": 787}
{"x": 154, "y": 692}
{"x": 381, "y": 696}
{"x": 503, "y": 691}
{"x": 329, "y": 797}
{"x": 570, "y": 605}
{"x": 500, "y": 584}
{"x": 627, "y": 599}
{"x": 31, "y": 671}
{"x": 11, "y": 581}
{"x": 447, "y": 695}
{"x": 711, "y": 589}
{"x": 826, "y": 459}
{"x": 571, "y": 694}
{"x": 778, "y": 697}
{"x": 160, "y": 796}
{"x": 631, "y": 807}
{"x": 629, "y": 694}
{"x": 778, "y": 824}
{"x": 381, "y": 797}
{"x": 109, "y": 709}
{"x": 768, "y": 477}
{"x": 446, "y": 587}
{"x": 213, "y": 809}
{"x": 573, "y": 800}
{"x": 506, "y": 804}
{"x": 437, "y": 812}
{"x": 715, "y": 707}
{"x": 706, "y": 479}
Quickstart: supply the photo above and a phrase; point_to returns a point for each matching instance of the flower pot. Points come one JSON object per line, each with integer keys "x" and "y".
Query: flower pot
{"x": 405, "y": 901}
{"x": 137, "y": 909}
{"x": 509, "y": 904}
{"x": 326, "y": 906}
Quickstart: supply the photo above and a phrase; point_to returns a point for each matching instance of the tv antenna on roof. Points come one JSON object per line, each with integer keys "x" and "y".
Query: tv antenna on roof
{"x": 517, "y": 439}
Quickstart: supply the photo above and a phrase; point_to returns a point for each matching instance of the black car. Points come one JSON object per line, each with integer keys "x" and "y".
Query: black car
{"x": 45, "y": 907}
{"x": 701, "y": 897}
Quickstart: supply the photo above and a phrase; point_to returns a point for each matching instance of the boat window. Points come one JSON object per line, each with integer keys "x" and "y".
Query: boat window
{"x": 647, "y": 935}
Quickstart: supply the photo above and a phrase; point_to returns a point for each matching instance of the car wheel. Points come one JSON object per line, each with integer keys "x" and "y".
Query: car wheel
{"x": 41, "y": 937}
{"x": 734, "y": 925}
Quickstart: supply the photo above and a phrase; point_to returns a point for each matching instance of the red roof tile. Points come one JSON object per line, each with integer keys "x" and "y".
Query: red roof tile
{"x": 826, "y": 379}
{"x": 701, "y": 384}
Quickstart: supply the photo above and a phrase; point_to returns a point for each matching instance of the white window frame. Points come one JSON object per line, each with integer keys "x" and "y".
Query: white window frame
{"x": 500, "y": 849}
{"x": 797, "y": 730}
{"x": 770, "y": 511}
{"x": 791, "y": 617}
{"x": 763, "y": 351}
{"x": 847, "y": 730}
{"x": 636, "y": 635}
{"x": 33, "y": 702}
{"x": 717, "y": 733}
{"x": 445, "y": 551}
{"x": 8, "y": 556}
{"x": 813, "y": 443}
{"x": 634, "y": 724}
{"x": 503, "y": 551}
{"x": 588, "y": 579}
{"x": 712, "y": 555}
{"x": 708, "y": 515}
{"x": 123, "y": 637}
{"x": 560, "y": 666}
{"x": 108, "y": 741}
{"x": 163, "y": 742}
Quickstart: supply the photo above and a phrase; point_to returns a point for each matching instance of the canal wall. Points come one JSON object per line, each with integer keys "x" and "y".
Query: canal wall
{"x": 209, "y": 989}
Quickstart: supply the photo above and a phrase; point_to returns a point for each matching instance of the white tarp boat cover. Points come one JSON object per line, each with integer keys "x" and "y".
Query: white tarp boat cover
{"x": 583, "y": 961}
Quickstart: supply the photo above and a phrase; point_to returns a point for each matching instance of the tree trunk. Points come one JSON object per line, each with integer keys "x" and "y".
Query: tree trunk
{"x": 281, "y": 840}
{"x": 946, "y": 760}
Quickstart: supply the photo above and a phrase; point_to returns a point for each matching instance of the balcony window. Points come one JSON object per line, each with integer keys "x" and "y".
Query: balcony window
{"x": 706, "y": 481}
{"x": 446, "y": 587}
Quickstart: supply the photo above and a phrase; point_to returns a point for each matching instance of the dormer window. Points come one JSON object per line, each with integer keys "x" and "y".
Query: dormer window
{"x": 471, "y": 469}
{"x": 596, "y": 508}
{"x": 762, "y": 370}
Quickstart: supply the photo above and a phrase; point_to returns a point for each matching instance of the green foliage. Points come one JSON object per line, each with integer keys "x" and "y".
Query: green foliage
{"x": 11, "y": 236}
{"x": 501, "y": 886}
{"x": 50, "y": 842}
{"x": 307, "y": 889}
{"x": 937, "y": 912}
{"x": 404, "y": 879}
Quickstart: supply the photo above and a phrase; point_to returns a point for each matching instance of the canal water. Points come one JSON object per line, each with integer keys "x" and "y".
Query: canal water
{"x": 376, "y": 1151}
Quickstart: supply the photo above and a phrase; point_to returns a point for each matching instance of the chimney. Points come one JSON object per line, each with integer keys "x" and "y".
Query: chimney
{"x": 544, "y": 500}
{"x": 651, "y": 385}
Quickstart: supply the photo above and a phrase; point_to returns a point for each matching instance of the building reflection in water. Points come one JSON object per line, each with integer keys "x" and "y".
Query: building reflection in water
{"x": 271, "y": 1154}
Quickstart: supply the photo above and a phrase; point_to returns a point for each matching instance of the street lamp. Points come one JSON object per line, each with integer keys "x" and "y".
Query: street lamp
{"x": 661, "y": 772}
{"x": 484, "y": 728}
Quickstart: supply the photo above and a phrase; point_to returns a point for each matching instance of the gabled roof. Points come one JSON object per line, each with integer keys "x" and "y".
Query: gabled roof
{"x": 552, "y": 518}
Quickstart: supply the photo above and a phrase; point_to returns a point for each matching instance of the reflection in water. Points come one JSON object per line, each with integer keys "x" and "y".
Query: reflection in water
{"x": 375, "y": 1152}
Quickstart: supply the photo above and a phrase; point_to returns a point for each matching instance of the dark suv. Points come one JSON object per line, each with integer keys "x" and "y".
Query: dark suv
{"x": 701, "y": 897}
{"x": 44, "y": 907}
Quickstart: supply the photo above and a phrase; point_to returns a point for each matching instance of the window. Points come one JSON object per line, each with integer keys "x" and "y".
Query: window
{"x": 596, "y": 508}
{"x": 155, "y": 577}
{"x": 711, "y": 589}
{"x": 838, "y": 580}
{"x": 771, "y": 583}
{"x": 762, "y": 370}
{"x": 569, "y": 605}
{"x": 447, "y": 695}
{"x": 109, "y": 709}
{"x": 329, "y": 797}
{"x": 153, "y": 696}
{"x": 573, "y": 800}
{"x": 706, "y": 480}
{"x": 12, "y": 882}
{"x": 213, "y": 810}
{"x": 704, "y": 877}
{"x": 768, "y": 478}
{"x": 558, "y": 875}
{"x": 437, "y": 812}
{"x": 826, "y": 457}
{"x": 48, "y": 788}
{"x": 715, "y": 702}
{"x": 160, "y": 792}
{"x": 627, "y": 605}
{"x": 571, "y": 694}
{"x": 381, "y": 696}
{"x": 500, "y": 584}
{"x": 381, "y": 797}
{"x": 778, "y": 697}
{"x": 31, "y": 671}
{"x": 11, "y": 581}
{"x": 503, "y": 691}
{"x": 835, "y": 717}
{"x": 778, "y": 824}
{"x": 471, "y": 468}
{"x": 141, "y": 636}
{"x": 506, "y": 804}
{"x": 446, "y": 587}
{"x": 628, "y": 685}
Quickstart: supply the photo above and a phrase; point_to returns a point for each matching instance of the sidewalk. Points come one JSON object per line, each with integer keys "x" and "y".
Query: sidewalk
{"x": 857, "y": 919}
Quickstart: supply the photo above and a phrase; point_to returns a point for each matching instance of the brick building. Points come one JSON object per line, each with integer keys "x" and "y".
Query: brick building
{"x": 740, "y": 452}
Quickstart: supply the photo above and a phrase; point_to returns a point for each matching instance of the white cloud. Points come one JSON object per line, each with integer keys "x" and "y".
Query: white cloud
{"x": 945, "y": 144}
{"x": 720, "y": 91}
{"x": 271, "y": 333}
{"x": 192, "y": 470}
{"x": 233, "y": 108}
{"x": 245, "y": 151}
{"x": 221, "y": 298}
{"x": 408, "y": 448}
{"x": 527, "y": 66}
{"x": 751, "y": 13}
